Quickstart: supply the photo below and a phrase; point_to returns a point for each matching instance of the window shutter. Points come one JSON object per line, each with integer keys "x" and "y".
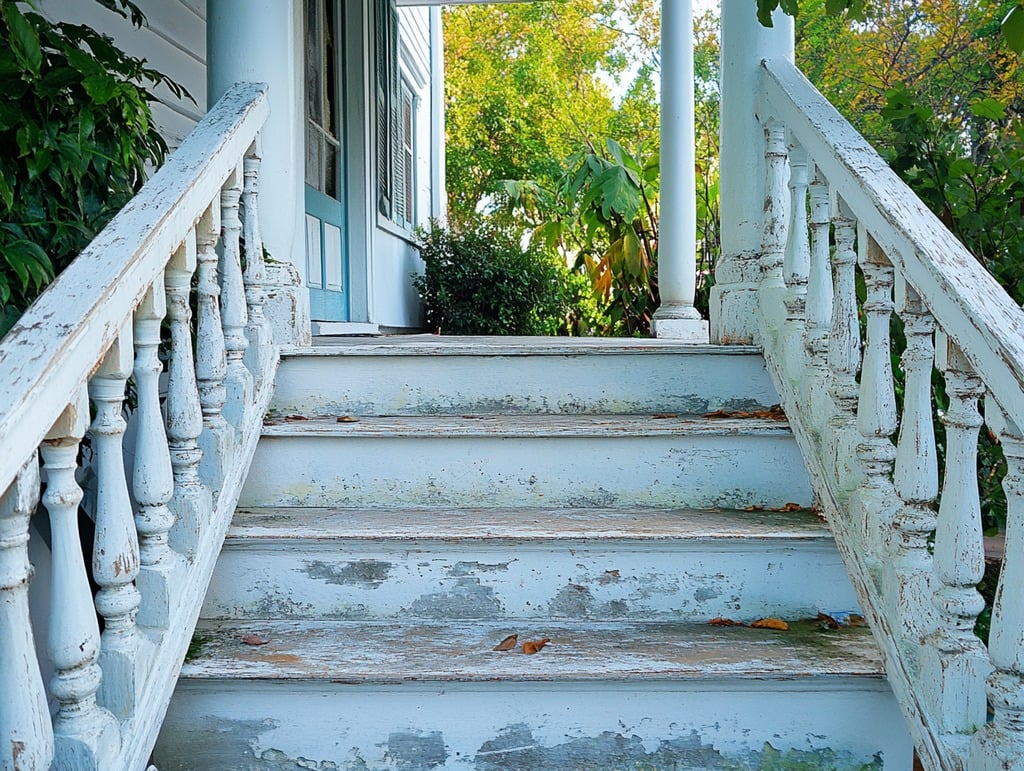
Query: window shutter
{"x": 397, "y": 156}
{"x": 383, "y": 37}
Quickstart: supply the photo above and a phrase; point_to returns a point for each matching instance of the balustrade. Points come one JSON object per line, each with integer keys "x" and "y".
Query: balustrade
{"x": 157, "y": 525}
{"x": 915, "y": 569}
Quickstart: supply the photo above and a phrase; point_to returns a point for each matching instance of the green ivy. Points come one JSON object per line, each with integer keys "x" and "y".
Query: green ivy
{"x": 78, "y": 137}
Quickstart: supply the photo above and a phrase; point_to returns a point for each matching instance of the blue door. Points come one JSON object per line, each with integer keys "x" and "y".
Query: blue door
{"x": 326, "y": 241}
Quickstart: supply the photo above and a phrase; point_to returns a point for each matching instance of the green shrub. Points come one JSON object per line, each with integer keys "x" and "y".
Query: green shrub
{"x": 78, "y": 139}
{"x": 480, "y": 280}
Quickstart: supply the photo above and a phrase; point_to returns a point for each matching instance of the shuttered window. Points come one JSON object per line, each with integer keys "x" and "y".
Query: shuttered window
{"x": 395, "y": 121}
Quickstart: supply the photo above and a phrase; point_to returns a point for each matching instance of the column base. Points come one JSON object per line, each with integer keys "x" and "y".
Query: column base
{"x": 684, "y": 330}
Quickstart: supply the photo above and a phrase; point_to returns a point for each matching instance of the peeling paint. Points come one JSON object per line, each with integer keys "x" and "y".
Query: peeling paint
{"x": 572, "y": 601}
{"x": 417, "y": 751}
{"x": 515, "y": 748}
{"x": 467, "y": 599}
{"x": 469, "y": 568}
{"x": 368, "y": 573}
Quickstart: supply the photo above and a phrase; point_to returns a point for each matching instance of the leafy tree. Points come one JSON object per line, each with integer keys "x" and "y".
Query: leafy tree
{"x": 75, "y": 119}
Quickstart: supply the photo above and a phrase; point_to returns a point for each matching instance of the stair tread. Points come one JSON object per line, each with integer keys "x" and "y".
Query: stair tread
{"x": 526, "y": 524}
{"x": 453, "y": 345}
{"x": 511, "y": 426}
{"x": 462, "y": 651}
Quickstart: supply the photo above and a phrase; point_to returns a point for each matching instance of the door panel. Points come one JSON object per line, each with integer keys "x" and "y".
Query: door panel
{"x": 326, "y": 247}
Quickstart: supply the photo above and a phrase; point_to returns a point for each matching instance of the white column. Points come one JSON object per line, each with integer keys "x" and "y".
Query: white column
{"x": 677, "y": 226}
{"x": 745, "y": 43}
{"x": 261, "y": 41}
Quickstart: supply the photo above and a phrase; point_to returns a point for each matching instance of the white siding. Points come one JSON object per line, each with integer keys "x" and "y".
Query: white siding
{"x": 174, "y": 42}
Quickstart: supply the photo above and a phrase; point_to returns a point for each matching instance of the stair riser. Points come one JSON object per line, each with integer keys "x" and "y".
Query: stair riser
{"x": 536, "y": 726}
{"x": 456, "y": 385}
{"x": 370, "y": 580}
{"x": 704, "y": 471}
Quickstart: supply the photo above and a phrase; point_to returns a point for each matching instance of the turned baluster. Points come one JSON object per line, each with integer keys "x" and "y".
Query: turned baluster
{"x": 115, "y": 557}
{"x": 85, "y": 734}
{"x": 259, "y": 331}
{"x": 798, "y": 249}
{"x": 1000, "y": 744}
{"x": 844, "y": 349}
{"x": 238, "y": 382}
{"x": 24, "y": 716}
{"x": 211, "y": 359}
{"x": 191, "y": 502}
{"x": 875, "y": 503}
{"x": 153, "y": 479}
{"x": 772, "y": 289}
{"x": 819, "y": 278}
{"x": 908, "y": 575}
{"x": 954, "y": 664}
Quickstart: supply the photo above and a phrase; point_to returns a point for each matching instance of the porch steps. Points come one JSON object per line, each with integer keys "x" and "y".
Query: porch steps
{"x": 587, "y": 564}
{"x": 569, "y": 490}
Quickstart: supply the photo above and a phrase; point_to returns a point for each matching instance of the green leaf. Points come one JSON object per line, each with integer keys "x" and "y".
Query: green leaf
{"x": 1013, "y": 29}
{"x": 24, "y": 39}
{"x": 764, "y": 11}
{"x": 992, "y": 109}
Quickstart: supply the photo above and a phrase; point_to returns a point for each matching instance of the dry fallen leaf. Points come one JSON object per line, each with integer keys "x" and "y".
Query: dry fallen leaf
{"x": 791, "y": 507}
{"x": 719, "y": 621}
{"x": 770, "y": 623}
{"x": 827, "y": 620}
{"x": 855, "y": 619}
{"x": 254, "y": 639}
{"x": 347, "y": 419}
{"x": 293, "y": 418}
{"x": 535, "y": 645}
{"x": 664, "y": 415}
{"x": 507, "y": 644}
{"x": 718, "y": 414}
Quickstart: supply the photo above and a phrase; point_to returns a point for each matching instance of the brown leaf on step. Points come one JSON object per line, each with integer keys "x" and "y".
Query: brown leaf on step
{"x": 534, "y": 646}
{"x": 664, "y": 415}
{"x": 718, "y": 414}
{"x": 347, "y": 419}
{"x": 719, "y": 621}
{"x": 254, "y": 639}
{"x": 790, "y": 507}
{"x": 827, "y": 620}
{"x": 855, "y": 619}
{"x": 753, "y": 508}
{"x": 770, "y": 623}
{"x": 293, "y": 418}
{"x": 507, "y": 644}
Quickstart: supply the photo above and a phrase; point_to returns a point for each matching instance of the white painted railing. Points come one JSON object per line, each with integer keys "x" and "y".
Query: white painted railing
{"x": 160, "y": 510}
{"x": 875, "y": 472}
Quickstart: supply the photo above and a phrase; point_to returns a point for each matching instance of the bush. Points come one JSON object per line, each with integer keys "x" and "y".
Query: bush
{"x": 78, "y": 139}
{"x": 479, "y": 280}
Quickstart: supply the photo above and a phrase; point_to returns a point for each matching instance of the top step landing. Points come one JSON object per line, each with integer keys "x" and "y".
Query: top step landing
{"x": 441, "y": 375}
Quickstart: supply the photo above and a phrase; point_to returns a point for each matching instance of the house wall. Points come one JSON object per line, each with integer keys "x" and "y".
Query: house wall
{"x": 173, "y": 43}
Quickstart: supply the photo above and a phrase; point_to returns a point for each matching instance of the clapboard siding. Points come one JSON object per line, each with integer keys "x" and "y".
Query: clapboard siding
{"x": 414, "y": 32}
{"x": 173, "y": 42}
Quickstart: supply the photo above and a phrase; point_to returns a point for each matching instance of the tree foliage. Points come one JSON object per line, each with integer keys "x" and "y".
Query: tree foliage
{"x": 77, "y": 129}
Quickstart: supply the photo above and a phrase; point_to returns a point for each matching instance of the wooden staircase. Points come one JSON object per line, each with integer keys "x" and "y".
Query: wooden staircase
{"x": 414, "y": 501}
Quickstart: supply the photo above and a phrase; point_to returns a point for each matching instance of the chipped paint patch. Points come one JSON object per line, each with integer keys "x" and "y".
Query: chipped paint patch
{"x": 515, "y": 748}
{"x": 467, "y": 599}
{"x": 418, "y": 751}
{"x": 368, "y": 573}
{"x": 469, "y": 568}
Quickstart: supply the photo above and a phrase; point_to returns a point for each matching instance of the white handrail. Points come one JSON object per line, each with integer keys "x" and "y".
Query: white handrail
{"x": 79, "y": 315}
{"x": 877, "y": 478}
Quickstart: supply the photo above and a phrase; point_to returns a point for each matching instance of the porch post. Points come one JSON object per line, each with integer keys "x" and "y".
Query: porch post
{"x": 261, "y": 41}
{"x": 745, "y": 43}
{"x": 677, "y": 227}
